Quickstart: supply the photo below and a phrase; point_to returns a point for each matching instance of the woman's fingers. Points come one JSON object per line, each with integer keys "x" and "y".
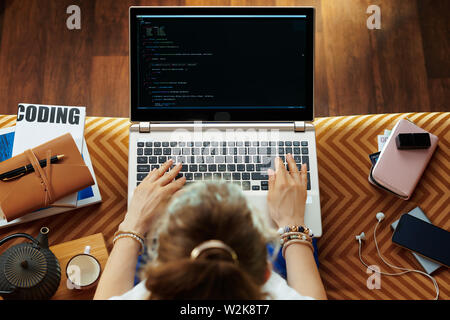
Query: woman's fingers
{"x": 148, "y": 178}
{"x": 164, "y": 167}
{"x": 175, "y": 185}
{"x": 293, "y": 170}
{"x": 169, "y": 176}
{"x": 271, "y": 175}
{"x": 304, "y": 174}
{"x": 280, "y": 170}
{"x": 156, "y": 174}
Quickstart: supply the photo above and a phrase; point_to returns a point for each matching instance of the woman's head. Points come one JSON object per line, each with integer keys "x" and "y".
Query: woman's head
{"x": 199, "y": 213}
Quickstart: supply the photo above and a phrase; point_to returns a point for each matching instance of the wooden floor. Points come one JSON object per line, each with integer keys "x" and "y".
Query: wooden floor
{"x": 403, "y": 67}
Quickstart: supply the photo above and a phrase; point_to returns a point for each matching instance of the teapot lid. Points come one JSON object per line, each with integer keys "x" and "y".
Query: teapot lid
{"x": 25, "y": 266}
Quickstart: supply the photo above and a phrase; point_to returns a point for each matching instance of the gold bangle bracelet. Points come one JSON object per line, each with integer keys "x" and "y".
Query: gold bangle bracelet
{"x": 130, "y": 232}
{"x": 132, "y": 236}
{"x": 287, "y": 244}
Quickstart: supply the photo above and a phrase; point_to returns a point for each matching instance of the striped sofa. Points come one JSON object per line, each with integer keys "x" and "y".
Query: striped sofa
{"x": 349, "y": 203}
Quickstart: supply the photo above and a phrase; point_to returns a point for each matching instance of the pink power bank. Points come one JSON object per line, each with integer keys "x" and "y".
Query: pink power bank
{"x": 399, "y": 171}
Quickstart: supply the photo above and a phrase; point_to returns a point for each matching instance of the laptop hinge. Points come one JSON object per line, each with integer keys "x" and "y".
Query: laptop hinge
{"x": 144, "y": 127}
{"x": 299, "y": 126}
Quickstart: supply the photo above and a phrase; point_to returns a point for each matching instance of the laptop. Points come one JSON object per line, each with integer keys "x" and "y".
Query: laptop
{"x": 224, "y": 90}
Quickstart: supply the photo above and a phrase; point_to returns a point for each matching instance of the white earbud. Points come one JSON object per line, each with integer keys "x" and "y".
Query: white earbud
{"x": 380, "y": 216}
{"x": 361, "y": 236}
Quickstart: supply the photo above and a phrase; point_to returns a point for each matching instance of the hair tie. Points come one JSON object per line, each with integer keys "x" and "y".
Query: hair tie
{"x": 213, "y": 244}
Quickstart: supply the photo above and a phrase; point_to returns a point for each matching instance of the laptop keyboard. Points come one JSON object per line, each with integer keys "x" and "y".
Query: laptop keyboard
{"x": 244, "y": 163}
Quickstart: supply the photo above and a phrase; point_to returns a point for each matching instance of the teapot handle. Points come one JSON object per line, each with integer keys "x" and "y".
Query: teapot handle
{"x": 19, "y": 235}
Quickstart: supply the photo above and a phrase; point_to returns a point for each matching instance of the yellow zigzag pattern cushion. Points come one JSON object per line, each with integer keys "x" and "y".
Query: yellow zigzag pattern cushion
{"x": 349, "y": 202}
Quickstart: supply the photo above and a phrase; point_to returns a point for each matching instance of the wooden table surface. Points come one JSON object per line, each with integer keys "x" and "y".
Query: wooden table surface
{"x": 65, "y": 251}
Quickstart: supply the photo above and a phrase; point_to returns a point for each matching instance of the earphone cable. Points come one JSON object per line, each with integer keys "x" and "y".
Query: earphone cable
{"x": 392, "y": 266}
{"x": 406, "y": 270}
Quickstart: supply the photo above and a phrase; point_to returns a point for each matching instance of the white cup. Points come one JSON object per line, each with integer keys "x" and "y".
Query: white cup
{"x": 83, "y": 271}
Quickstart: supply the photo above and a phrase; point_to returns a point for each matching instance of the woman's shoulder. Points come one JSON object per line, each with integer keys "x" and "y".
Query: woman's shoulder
{"x": 278, "y": 289}
{"x": 138, "y": 292}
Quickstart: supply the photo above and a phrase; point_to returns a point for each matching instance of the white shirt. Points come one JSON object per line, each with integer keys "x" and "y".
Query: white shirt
{"x": 276, "y": 286}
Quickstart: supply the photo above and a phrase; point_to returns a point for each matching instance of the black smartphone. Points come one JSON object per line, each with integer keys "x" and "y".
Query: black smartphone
{"x": 423, "y": 238}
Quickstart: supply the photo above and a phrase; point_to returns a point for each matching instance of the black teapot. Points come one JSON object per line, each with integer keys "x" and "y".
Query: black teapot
{"x": 29, "y": 271}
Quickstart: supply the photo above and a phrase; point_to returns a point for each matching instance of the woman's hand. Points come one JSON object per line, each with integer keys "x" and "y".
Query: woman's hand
{"x": 287, "y": 200}
{"x": 287, "y": 193}
{"x": 151, "y": 197}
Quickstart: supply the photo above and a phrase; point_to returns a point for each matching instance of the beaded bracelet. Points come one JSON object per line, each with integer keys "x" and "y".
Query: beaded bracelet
{"x": 287, "y": 244}
{"x": 133, "y": 236}
{"x": 301, "y": 229}
{"x": 294, "y": 235}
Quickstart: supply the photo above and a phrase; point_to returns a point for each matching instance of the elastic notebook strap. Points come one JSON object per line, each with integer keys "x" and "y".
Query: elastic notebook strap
{"x": 41, "y": 174}
{"x": 48, "y": 174}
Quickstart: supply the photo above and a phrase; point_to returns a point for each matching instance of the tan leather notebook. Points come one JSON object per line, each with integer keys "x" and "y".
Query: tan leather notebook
{"x": 39, "y": 189}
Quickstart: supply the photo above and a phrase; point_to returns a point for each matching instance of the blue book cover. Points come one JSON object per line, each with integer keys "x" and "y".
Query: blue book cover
{"x": 6, "y": 143}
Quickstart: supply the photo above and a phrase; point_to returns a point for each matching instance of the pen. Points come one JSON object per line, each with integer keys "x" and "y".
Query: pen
{"x": 28, "y": 168}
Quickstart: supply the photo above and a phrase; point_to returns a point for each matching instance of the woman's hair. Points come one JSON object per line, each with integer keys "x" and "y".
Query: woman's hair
{"x": 202, "y": 212}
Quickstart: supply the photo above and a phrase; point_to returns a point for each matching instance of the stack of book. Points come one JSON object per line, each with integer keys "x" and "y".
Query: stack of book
{"x": 37, "y": 124}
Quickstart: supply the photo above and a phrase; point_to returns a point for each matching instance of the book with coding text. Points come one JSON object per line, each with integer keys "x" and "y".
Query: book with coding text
{"x": 37, "y": 124}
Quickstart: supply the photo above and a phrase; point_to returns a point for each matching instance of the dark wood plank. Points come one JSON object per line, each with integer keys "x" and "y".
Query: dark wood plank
{"x": 397, "y": 48}
{"x": 320, "y": 64}
{"x": 68, "y": 58}
{"x": 2, "y": 12}
{"x": 109, "y": 86}
{"x": 111, "y": 27}
{"x": 435, "y": 28}
{"x": 21, "y": 53}
{"x": 439, "y": 89}
{"x": 348, "y": 58}
{"x": 209, "y": 3}
{"x": 402, "y": 67}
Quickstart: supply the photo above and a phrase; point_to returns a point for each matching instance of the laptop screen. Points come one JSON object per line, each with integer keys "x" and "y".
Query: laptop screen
{"x": 201, "y": 64}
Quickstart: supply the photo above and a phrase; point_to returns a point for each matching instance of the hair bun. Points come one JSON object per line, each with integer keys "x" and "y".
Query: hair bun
{"x": 209, "y": 277}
